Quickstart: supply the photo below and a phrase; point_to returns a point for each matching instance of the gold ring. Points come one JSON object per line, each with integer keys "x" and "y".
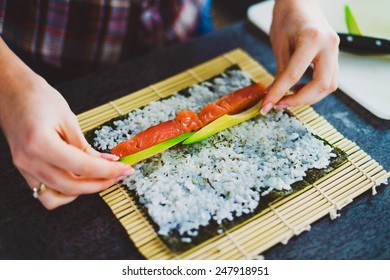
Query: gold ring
{"x": 39, "y": 189}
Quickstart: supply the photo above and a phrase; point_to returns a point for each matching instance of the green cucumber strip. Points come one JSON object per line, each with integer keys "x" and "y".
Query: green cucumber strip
{"x": 154, "y": 150}
{"x": 222, "y": 123}
{"x": 353, "y": 27}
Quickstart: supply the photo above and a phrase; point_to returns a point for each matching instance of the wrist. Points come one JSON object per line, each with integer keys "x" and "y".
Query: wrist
{"x": 296, "y": 1}
{"x": 15, "y": 73}
{"x": 288, "y": 4}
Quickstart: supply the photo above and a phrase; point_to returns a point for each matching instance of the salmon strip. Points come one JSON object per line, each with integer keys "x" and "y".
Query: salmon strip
{"x": 232, "y": 103}
{"x": 185, "y": 121}
{"x": 188, "y": 121}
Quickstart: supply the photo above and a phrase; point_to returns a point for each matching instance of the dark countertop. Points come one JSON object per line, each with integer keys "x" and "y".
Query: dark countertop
{"x": 86, "y": 228}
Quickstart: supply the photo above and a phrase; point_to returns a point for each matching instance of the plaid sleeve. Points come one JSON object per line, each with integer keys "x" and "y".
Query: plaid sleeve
{"x": 2, "y": 14}
{"x": 83, "y": 35}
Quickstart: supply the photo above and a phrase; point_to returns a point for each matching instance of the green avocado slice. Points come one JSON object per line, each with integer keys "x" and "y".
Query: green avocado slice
{"x": 154, "y": 150}
{"x": 222, "y": 123}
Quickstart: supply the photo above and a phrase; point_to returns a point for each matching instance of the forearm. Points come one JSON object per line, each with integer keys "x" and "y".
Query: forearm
{"x": 46, "y": 142}
{"x": 16, "y": 79}
{"x": 12, "y": 68}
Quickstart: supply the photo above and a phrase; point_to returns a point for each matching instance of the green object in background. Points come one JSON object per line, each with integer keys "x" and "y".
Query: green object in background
{"x": 353, "y": 27}
{"x": 154, "y": 150}
{"x": 222, "y": 123}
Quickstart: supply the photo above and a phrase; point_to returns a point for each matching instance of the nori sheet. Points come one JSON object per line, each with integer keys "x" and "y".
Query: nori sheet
{"x": 174, "y": 240}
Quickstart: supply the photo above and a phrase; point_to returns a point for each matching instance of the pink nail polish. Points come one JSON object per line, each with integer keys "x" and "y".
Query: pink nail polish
{"x": 281, "y": 106}
{"x": 266, "y": 108}
{"x": 109, "y": 156}
{"x": 125, "y": 174}
{"x": 128, "y": 172}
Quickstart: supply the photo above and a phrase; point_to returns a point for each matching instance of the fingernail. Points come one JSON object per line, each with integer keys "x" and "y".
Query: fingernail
{"x": 266, "y": 108}
{"x": 109, "y": 156}
{"x": 281, "y": 106}
{"x": 125, "y": 174}
{"x": 120, "y": 178}
{"x": 128, "y": 172}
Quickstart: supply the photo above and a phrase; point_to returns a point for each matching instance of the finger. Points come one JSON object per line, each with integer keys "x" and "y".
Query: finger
{"x": 49, "y": 198}
{"x": 68, "y": 157}
{"x": 282, "y": 104}
{"x": 282, "y": 55}
{"x": 324, "y": 82}
{"x": 298, "y": 87}
{"x": 72, "y": 134}
{"x": 109, "y": 157}
{"x": 67, "y": 183}
{"x": 299, "y": 62}
{"x": 52, "y": 199}
{"x": 87, "y": 148}
{"x": 91, "y": 151}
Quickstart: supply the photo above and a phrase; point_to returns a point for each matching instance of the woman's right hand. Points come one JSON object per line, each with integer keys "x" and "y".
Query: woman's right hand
{"x": 45, "y": 139}
{"x": 300, "y": 36}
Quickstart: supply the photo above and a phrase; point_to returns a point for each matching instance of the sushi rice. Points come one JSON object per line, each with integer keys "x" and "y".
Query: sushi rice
{"x": 224, "y": 176}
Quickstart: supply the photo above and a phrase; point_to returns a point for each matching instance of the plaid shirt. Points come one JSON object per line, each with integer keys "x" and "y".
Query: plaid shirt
{"x": 82, "y": 35}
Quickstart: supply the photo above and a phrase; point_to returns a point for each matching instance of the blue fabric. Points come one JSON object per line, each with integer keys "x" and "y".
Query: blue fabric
{"x": 206, "y": 21}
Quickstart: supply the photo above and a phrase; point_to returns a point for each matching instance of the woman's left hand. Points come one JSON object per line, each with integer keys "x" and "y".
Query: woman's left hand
{"x": 300, "y": 35}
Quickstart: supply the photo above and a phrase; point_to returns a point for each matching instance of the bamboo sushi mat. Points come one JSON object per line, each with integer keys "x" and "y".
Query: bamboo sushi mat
{"x": 277, "y": 223}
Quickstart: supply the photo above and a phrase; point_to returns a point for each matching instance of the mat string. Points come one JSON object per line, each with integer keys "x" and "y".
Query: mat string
{"x": 228, "y": 59}
{"x": 294, "y": 229}
{"x": 156, "y": 91}
{"x": 130, "y": 200}
{"x": 235, "y": 243}
{"x": 116, "y": 108}
{"x": 134, "y": 206}
{"x": 259, "y": 257}
{"x": 127, "y": 196}
{"x": 375, "y": 183}
{"x": 333, "y": 212}
{"x": 194, "y": 75}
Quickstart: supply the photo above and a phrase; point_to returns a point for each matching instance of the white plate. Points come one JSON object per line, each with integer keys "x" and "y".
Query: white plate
{"x": 366, "y": 79}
